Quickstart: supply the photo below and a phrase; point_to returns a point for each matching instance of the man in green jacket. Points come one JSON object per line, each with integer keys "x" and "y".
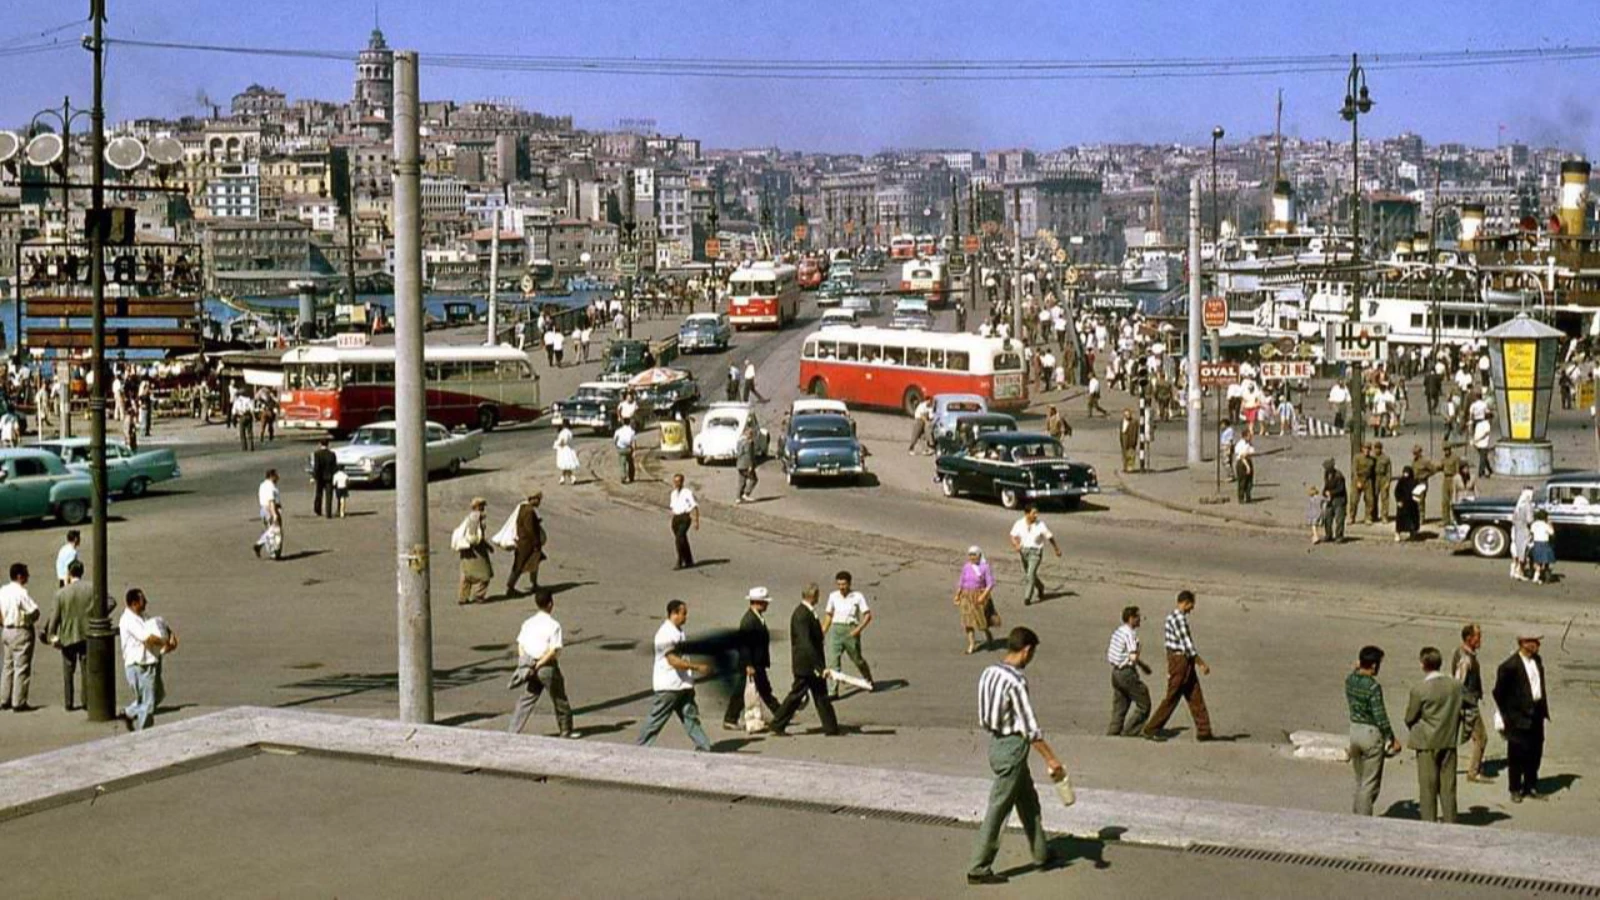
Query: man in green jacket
{"x": 1433, "y": 713}
{"x": 68, "y": 627}
{"x": 1383, "y": 474}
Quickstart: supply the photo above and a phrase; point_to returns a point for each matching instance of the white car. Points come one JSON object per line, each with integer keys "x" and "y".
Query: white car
{"x": 835, "y": 318}
{"x": 717, "y": 438}
{"x": 369, "y": 457}
{"x": 806, "y": 406}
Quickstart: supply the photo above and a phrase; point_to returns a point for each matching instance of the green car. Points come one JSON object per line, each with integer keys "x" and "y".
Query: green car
{"x": 35, "y": 484}
{"x": 127, "y": 473}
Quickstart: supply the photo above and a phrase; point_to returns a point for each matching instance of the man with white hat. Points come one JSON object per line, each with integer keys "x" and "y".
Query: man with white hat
{"x": 1520, "y": 695}
{"x": 755, "y": 657}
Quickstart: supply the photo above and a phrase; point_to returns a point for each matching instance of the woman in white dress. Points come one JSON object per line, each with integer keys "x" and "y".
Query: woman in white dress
{"x": 566, "y": 457}
{"x": 1521, "y": 534}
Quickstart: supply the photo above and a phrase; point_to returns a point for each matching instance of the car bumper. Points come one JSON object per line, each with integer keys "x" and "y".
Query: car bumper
{"x": 828, "y": 471}
{"x": 1046, "y": 493}
{"x": 590, "y": 421}
{"x": 755, "y": 320}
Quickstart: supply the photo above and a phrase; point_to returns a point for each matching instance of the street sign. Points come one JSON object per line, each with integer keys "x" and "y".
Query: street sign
{"x": 116, "y": 338}
{"x": 1218, "y": 374}
{"x": 713, "y": 248}
{"x": 1113, "y": 302}
{"x": 1216, "y": 312}
{"x": 957, "y": 263}
{"x": 351, "y": 340}
{"x": 1356, "y": 341}
{"x": 972, "y": 243}
{"x": 1296, "y": 370}
{"x": 1061, "y": 255}
{"x": 628, "y": 264}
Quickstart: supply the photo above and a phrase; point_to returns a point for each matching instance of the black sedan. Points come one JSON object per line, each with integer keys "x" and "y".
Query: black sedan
{"x": 1019, "y": 468}
{"x": 966, "y": 429}
{"x": 1571, "y": 500}
{"x": 822, "y": 445}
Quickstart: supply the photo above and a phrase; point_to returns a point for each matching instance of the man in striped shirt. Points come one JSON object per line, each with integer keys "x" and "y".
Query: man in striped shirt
{"x": 1006, "y": 713}
{"x": 1127, "y": 688}
{"x": 1371, "y": 735}
{"x": 1183, "y": 679}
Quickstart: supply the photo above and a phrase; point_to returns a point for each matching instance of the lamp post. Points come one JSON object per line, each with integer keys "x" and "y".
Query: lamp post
{"x": 629, "y": 228}
{"x": 1216, "y": 232}
{"x": 1357, "y": 102}
{"x": 711, "y": 295}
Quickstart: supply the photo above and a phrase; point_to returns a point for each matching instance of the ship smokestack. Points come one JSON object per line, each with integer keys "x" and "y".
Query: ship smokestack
{"x": 1282, "y": 208}
{"x": 1574, "y": 195}
{"x": 1471, "y": 225}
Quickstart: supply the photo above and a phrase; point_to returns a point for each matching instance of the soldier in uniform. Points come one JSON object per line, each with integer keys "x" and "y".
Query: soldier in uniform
{"x": 1424, "y": 468}
{"x": 1450, "y": 465}
{"x": 1383, "y": 472}
{"x": 1363, "y": 469}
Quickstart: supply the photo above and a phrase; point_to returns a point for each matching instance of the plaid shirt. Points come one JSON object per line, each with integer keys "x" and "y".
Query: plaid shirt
{"x": 1365, "y": 697}
{"x": 1175, "y": 634}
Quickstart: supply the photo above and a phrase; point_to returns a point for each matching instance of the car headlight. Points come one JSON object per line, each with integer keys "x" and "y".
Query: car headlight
{"x": 366, "y": 465}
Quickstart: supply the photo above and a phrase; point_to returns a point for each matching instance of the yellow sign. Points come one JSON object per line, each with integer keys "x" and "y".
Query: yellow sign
{"x": 1586, "y": 394}
{"x": 1521, "y": 359}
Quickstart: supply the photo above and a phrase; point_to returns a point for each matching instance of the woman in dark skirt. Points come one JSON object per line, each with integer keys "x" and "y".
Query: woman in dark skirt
{"x": 1407, "y": 514}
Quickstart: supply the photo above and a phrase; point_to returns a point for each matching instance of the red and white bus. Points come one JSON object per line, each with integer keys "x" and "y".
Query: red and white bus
{"x": 896, "y": 369}
{"x": 928, "y": 278}
{"x": 342, "y": 389}
{"x": 902, "y": 246}
{"x": 763, "y": 293}
{"x": 927, "y": 245}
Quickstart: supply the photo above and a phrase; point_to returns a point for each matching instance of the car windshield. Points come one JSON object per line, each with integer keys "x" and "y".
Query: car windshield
{"x": 963, "y": 406}
{"x": 723, "y": 422}
{"x": 831, "y": 428}
{"x": 373, "y": 437}
{"x": 592, "y": 393}
{"x": 700, "y": 325}
{"x": 1038, "y": 450}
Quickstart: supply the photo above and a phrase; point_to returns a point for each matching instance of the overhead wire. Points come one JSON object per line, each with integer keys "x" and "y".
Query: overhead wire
{"x": 32, "y": 35}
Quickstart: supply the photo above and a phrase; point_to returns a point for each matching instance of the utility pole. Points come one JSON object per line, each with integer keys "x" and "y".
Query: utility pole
{"x": 1016, "y": 266}
{"x": 494, "y": 281}
{"x": 350, "y": 226}
{"x": 411, "y": 471}
{"x": 1192, "y": 361}
{"x": 99, "y": 673}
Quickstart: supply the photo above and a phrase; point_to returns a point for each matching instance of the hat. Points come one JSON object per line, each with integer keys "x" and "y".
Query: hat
{"x": 974, "y": 550}
{"x": 757, "y": 595}
{"x": 1529, "y": 633}
{"x": 1328, "y": 463}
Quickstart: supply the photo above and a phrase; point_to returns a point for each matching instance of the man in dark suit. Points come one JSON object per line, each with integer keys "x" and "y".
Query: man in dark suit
{"x": 323, "y": 465}
{"x": 68, "y": 627}
{"x": 755, "y": 657}
{"x": 806, "y": 659}
{"x": 1520, "y": 694}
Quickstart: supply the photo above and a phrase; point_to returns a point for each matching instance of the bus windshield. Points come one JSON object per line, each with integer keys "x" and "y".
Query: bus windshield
{"x": 323, "y": 377}
{"x": 1007, "y": 362}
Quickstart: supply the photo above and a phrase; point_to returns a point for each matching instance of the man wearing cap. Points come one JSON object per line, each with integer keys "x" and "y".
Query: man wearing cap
{"x": 755, "y": 657}
{"x": 1519, "y": 692}
{"x": 1383, "y": 474}
{"x": 1424, "y": 468}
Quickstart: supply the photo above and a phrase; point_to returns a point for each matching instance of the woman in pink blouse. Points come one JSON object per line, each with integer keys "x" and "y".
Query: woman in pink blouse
{"x": 974, "y": 597}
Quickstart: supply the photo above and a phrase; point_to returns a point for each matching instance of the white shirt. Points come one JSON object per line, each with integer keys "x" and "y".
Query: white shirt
{"x": 16, "y": 606}
{"x": 1535, "y": 683}
{"x": 1124, "y": 643}
{"x": 341, "y": 480}
{"x": 923, "y": 412}
{"x": 268, "y": 494}
{"x": 134, "y": 629}
{"x": 846, "y": 609}
{"x": 665, "y": 677}
{"x": 682, "y": 501}
{"x": 1541, "y": 531}
{"x": 64, "y": 558}
{"x": 243, "y": 405}
{"x": 1032, "y": 537}
{"x": 540, "y": 634}
{"x": 1094, "y": 384}
{"x": 624, "y": 436}
{"x": 627, "y": 409}
{"x": 1481, "y": 431}
{"x": 1338, "y": 394}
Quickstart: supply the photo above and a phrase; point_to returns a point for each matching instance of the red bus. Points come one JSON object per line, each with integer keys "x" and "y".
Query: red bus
{"x": 342, "y": 389}
{"x": 927, "y": 277}
{"x": 896, "y": 369}
{"x": 902, "y": 246}
{"x": 763, "y": 293}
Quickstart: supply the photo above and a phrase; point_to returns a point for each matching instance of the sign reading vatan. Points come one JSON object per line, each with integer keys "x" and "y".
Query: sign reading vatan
{"x": 1356, "y": 341}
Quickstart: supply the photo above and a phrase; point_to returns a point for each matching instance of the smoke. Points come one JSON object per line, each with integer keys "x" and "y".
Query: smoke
{"x": 1569, "y": 127}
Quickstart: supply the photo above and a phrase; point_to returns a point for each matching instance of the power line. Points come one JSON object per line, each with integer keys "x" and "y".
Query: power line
{"x": 41, "y": 34}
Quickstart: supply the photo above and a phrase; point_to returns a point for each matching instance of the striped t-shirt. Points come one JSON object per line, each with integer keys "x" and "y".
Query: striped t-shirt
{"x": 1003, "y": 706}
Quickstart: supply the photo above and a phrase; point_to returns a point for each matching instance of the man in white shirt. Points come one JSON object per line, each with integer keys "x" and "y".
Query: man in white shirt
{"x": 539, "y": 668}
{"x": 628, "y": 409}
{"x": 271, "y": 503}
{"x": 66, "y": 555}
{"x": 144, "y": 643}
{"x": 672, "y": 680}
{"x": 558, "y": 345}
{"x": 921, "y": 428}
{"x": 1028, "y": 537}
{"x": 10, "y": 430}
{"x": 1094, "y": 397}
{"x": 1339, "y": 399}
{"x": 243, "y": 413}
{"x": 685, "y": 511}
{"x": 624, "y": 437}
{"x": 18, "y": 612}
{"x": 748, "y": 385}
{"x": 844, "y": 617}
{"x": 1127, "y": 688}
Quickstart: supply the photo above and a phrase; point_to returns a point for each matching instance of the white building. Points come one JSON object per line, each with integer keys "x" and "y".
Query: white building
{"x": 234, "y": 191}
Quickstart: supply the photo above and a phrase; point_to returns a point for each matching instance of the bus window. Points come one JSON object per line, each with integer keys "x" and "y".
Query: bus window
{"x": 847, "y": 352}
{"x": 511, "y": 370}
{"x": 956, "y": 361}
{"x": 1007, "y": 362}
{"x": 383, "y": 373}
{"x": 917, "y": 356}
{"x": 935, "y": 359}
{"x": 809, "y": 351}
{"x": 824, "y": 350}
{"x": 894, "y": 356}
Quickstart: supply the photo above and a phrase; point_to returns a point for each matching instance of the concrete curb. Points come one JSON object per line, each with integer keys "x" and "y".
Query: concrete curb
{"x": 1122, "y": 484}
{"x": 64, "y": 776}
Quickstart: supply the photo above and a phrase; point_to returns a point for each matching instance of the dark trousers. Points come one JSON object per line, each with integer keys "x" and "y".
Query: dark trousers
{"x": 1127, "y": 689}
{"x": 1524, "y": 752}
{"x": 1484, "y": 469}
{"x": 763, "y": 690}
{"x": 747, "y": 481}
{"x": 323, "y": 504}
{"x": 807, "y": 683}
{"x": 71, "y": 663}
{"x": 680, "y": 537}
{"x": 1182, "y": 681}
{"x": 625, "y": 465}
{"x": 1333, "y": 519}
{"x": 247, "y": 438}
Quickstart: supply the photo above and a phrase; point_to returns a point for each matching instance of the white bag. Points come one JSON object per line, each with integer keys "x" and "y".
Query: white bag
{"x": 754, "y": 718}
{"x": 459, "y": 539}
{"x": 851, "y": 680}
{"x": 506, "y": 537}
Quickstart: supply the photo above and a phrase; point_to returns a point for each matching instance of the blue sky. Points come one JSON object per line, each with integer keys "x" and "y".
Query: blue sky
{"x": 1543, "y": 103}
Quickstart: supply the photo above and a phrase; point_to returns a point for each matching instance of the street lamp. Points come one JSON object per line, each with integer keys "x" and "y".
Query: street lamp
{"x": 711, "y": 296}
{"x": 1357, "y": 102}
{"x": 1216, "y": 232}
{"x": 628, "y": 243}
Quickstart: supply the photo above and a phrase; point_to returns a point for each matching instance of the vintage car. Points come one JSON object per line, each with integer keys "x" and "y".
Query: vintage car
{"x": 966, "y": 430}
{"x": 662, "y": 393}
{"x": 628, "y": 357}
{"x": 705, "y": 331}
{"x": 865, "y": 305}
{"x": 811, "y": 405}
{"x": 593, "y": 406}
{"x": 369, "y": 457}
{"x": 822, "y": 445}
{"x": 912, "y": 314}
{"x": 127, "y": 473}
{"x": 1018, "y": 467}
{"x": 1572, "y": 501}
{"x": 717, "y": 438}
{"x": 946, "y": 407}
{"x": 840, "y": 318}
{"x": 35, "y": 484}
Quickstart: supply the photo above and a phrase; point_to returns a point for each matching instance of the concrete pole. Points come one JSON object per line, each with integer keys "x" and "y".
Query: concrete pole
{"x": 411, "y": 473}
{"x": 1016, "y": 268}
{"x": 1195, "y": 455}
{"x": 494, "y": 282}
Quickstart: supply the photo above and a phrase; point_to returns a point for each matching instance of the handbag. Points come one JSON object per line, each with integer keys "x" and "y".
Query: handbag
{"x": 754, "y": 718}
{"x": 506, "y": 537}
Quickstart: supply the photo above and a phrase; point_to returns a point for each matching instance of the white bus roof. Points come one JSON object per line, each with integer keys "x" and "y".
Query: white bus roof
{"x": 437, "y": 353}
{"x": 933, "y": 340}
{"x": 763, "y": 270}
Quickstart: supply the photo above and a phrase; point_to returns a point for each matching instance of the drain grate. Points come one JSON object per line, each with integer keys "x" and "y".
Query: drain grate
{"x": 1506, "y": 882}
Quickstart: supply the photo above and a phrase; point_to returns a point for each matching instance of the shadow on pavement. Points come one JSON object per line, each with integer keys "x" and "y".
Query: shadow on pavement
{"x": 466, "y": 718}
{"x": 301, "y": 554}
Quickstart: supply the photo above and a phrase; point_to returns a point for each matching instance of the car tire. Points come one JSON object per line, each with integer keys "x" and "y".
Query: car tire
{"x": 911, "y": 400}
{"x": 488, "y": 417}
{"x": 947, "y": 485}
{"x": 1010, "y": 499}
{"x": 1489, "y": 541}
{"x": 818, "y": 389}
{"x": 73, "y": 512}
{"x": 386, "y": 478}
{"x": 136, "y": 487}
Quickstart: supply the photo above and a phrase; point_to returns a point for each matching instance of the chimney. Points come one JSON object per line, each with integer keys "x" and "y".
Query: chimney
{"x": 1282, "y": 208}
{"x": 1574, "y": 195}
{"x": 1471, "y": 225}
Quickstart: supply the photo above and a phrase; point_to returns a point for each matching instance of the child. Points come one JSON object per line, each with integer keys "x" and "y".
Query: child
{"x": 341, "y": 489}
{"x": 1542, "y": 552}
{"x": 1314, "y": 511}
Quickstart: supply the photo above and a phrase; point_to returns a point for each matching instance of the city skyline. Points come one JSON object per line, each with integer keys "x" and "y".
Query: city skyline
{"x": 1537, "y": 104}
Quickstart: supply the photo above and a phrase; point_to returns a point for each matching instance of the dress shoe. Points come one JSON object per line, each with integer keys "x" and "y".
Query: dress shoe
{"x": 23, "y": 707}
{"x": 1516, "y": 798}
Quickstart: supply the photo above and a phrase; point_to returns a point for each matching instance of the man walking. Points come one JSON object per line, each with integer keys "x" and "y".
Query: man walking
{"x": 1126, "y": 685}
{"x": 1371, "y": 736}
{"x": 271, "y": 503}
{"x": 143, "y": 646}
{"x": 18, "y": 612}
{"x": 744, "y": 453}
{"x": 921, "y": 427}
{"x": 66, "y": 556}
{"x": 1094, "y": 398}
{"x": 748, "y": 385}
{"x": 1334, "y": 496}
{"x": 1383, "y": 474}
{"x": 806, "y": 663}
{"x": 539, "y": 668}
{"x": 1464, "y": 666}
{"x": 529, "y": 544}
{"x": 1433, "y": 713}
{"x": 1182, "y": 679}
{"x": 624, "y": 438}
{"x": 68, "y": 628}
{"x": 844, "y": 617}
{"x": 672, "y": 680}
{"x": 1006, "y": 712}
{"x": 243, "y": 415}
{"x": 1519, "y": 692}
{"x": 1028, "y": 537}
{"x": 755, "y": 657}
{"x": 685, "y": 511}
{"x": 323, "y": 465}
{"x": 1128, "y": 438}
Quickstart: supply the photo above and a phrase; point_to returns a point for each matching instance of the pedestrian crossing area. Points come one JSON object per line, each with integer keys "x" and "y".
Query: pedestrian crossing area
{"x": 1309, "y": 426}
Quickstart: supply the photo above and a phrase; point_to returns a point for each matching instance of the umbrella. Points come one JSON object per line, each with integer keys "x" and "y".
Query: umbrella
{"x": 653, "y": 377}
